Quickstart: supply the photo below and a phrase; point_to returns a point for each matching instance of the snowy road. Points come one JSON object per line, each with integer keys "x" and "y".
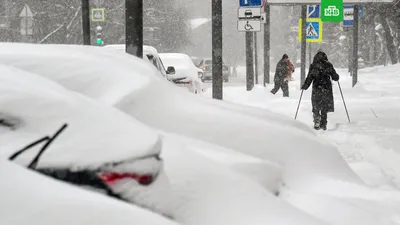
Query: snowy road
{"x": 370, "y": 143}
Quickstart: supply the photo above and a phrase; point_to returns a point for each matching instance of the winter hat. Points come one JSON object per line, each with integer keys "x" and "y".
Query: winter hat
{"x": 285, "y": 56}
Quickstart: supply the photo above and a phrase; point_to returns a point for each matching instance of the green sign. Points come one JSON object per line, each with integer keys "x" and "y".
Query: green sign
{"x": 332, "y": 10}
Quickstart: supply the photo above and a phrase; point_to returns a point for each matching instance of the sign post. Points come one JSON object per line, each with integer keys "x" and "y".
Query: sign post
{"x": 250, "y": 19}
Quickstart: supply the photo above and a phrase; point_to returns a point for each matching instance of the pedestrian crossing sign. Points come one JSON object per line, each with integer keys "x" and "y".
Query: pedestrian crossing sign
{"x": 313, "y": 30}
{"x": 98, "y": 14}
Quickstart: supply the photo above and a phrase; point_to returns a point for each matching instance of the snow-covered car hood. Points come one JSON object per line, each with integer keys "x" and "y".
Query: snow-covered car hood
{"x": 96, "y": 133}
{"x": 28, "y": 197}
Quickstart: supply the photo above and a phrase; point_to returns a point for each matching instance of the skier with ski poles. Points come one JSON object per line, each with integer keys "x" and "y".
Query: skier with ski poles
{"x": 320, "y": 74}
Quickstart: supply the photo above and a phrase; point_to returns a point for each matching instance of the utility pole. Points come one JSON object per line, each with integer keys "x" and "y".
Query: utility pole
{"x": 217, "y": 81}
{"x": 249, "y": 62}
{"x": 267, "y": 56}
{"x": 309, "y": 54}
{"x": 256, "y": 57}
{"x": 303, "y": 43}
{"x": 134, "y": 27}
{"x": 355, "y": 46}
{"x": 86, "y": 22}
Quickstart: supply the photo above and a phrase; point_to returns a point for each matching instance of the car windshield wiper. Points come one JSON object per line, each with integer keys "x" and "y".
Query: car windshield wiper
{"x": 49, "y": 140}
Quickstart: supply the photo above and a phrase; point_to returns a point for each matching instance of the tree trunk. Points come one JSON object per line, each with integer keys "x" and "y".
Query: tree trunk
{"x": 389, "y": 39}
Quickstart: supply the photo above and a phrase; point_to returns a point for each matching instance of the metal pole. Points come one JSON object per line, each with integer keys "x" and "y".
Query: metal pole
{"x": 217, "y": 81}
{"x": 249, "y": 62}
{"x": 303, "y": 43}
{"x": 134, "y": 27}
{"x": 350, "y": 40}
{"x": 256, "y": 57}
{"x": 309, "y": 54}
{"x": 345, "y": 107}
{"x": 267, "y": 47}
{"x": 85, "y": 22}
{"x": 298, "y": 106}
{"x": 355, "y": 46}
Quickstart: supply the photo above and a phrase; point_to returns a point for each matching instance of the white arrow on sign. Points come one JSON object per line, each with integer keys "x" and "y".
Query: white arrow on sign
{"x": 26, "y": 12}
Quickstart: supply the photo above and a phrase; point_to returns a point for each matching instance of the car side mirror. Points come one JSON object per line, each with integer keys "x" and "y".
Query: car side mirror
{"x": 170, "y": 70}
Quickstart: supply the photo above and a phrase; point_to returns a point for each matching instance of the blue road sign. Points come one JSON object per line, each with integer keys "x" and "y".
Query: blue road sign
{"x": 348, "y": 15}
{"x": 312, "y": 30}
{"x": 313, "y": 11}
{"x": 250, "y": 3}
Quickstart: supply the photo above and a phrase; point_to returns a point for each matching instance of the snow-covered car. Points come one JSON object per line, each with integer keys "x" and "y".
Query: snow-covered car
{"x": 315, "y": 177}
{"x": 206, "y": 65}
{"x": 29, "y": 198}
{"x": 151, "y": 54}
{"x": 185, "y": 72}
{"x": 92, "y": 145}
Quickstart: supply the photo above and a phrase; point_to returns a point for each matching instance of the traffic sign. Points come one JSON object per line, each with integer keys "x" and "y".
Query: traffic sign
{"x": 98, "y": 14}
{"x": 332, "y": 10}
{"x": 348, "y": 16}
{"x": 249, "y": 25}
{"x": 249, "y": 13}
{"x": 313, "y": 30}
{"x": 250, "y": 3}
{"x": 313, "y": 11}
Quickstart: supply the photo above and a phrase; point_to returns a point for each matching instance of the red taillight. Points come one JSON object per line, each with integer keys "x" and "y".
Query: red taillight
{"x": 110, "y": 178}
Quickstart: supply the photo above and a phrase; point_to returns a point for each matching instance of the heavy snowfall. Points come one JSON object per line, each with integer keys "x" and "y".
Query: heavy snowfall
{"x": 93, "y": 134}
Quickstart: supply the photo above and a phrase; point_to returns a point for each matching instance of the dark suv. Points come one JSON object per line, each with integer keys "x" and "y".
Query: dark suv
{"x": 206, "y": 66}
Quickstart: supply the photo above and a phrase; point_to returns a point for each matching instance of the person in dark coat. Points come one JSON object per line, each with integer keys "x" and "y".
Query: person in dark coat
{"x": 280, "y": 74}
{"x": 320, "y": 74}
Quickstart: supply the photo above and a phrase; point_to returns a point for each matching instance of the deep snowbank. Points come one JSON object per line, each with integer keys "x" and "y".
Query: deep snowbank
{"x": 30, "y": 198}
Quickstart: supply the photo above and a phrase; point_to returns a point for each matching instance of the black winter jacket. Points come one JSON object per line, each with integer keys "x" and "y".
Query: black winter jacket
{"x": 320, "y": 74}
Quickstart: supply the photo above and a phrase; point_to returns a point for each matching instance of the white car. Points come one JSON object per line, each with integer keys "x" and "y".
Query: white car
{"x": 29, "y": 198}
{"x": 151, "y": 54}
{"x": 185, "y": 72}
{"x": 78, "y": 140}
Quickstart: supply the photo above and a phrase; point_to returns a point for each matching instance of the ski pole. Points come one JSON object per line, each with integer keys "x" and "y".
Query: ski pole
{"x": 298, "y": 106}
{"x": 347, "y": 112}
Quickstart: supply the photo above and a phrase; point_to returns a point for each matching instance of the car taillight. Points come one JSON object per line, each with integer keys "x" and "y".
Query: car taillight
{"x": 204, "y": 68}
{"x": 110, "y": 178}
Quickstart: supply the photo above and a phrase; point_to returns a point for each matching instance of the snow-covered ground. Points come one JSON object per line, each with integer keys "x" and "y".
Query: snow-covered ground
{"x": 369, "y": 144}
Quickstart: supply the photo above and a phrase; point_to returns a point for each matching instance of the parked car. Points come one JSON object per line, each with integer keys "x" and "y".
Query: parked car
{"x": 31, "y": 198}
{"x": 168, "y": 73}
{"x": 206, "y": 66}
{"x": 151, "y": 54}
{"x": 185, "y": 72}
{"x": 77, "y": 140}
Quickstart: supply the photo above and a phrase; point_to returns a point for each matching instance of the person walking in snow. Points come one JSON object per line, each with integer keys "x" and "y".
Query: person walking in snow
{"x": 320, "y": 74}
{"x": 282, "y": 69}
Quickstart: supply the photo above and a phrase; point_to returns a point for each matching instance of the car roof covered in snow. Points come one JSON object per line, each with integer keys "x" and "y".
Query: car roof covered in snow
{"x": 146, "y": 48}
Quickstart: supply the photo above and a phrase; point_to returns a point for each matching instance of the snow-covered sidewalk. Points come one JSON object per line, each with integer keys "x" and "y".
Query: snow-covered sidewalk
{"x": 370, "y": 143}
